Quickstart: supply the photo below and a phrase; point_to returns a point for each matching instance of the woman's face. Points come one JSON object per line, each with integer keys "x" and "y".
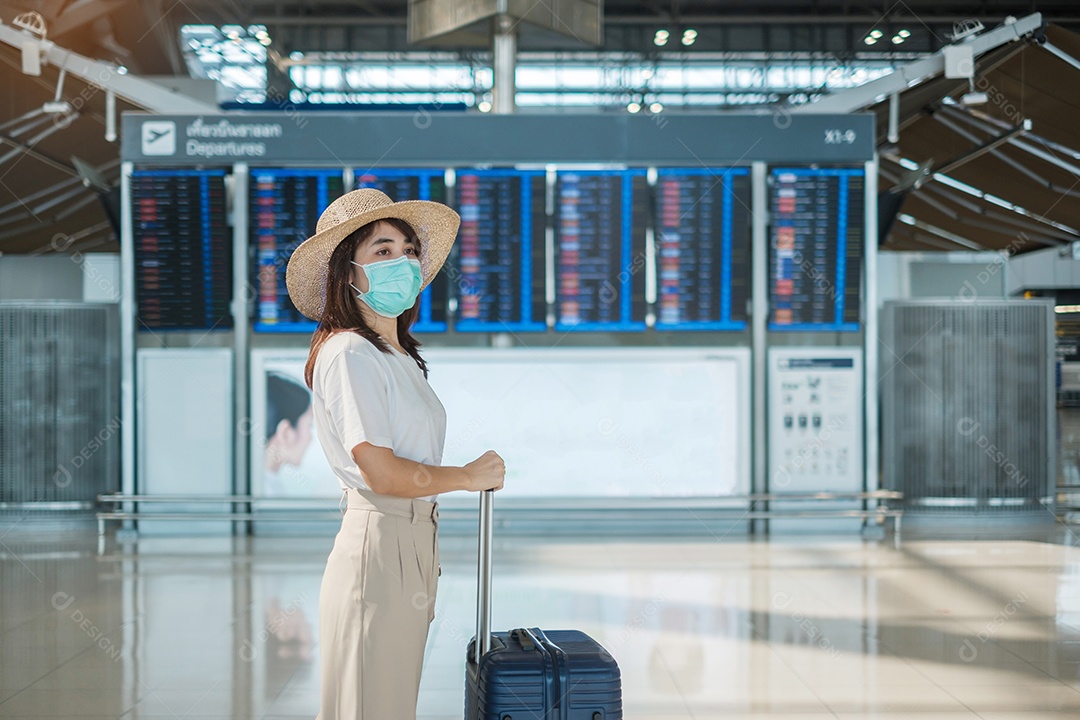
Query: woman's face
{"x": 386, "y": 243}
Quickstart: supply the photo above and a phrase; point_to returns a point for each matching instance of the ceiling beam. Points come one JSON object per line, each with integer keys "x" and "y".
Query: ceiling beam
{"x": 137, "y": 91}
{"x": 37, "y": 155}
{"x": 981, "y": 149}
{"x": 914, "y": 73}
{"x": 1055, "y": 50}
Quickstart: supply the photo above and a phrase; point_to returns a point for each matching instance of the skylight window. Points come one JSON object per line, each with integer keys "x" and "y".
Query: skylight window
{"x": 236, "y": 56}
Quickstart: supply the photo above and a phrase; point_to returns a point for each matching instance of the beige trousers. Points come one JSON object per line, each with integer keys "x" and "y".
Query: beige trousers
{"x": 376, "y": 603}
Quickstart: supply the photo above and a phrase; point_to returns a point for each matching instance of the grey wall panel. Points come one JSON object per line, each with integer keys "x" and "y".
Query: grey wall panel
{"x": 185, "y": 421}
{"x": 40, "y": 277}
{"x": 957, "y": 280}
{"x": 966, "y": 403}
{"x": 59, "y": 402}
{"x": 1047, "y": 269}
{"x": 185, "y": 432}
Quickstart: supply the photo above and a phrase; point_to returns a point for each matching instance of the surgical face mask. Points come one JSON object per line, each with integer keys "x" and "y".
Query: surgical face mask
{"x": 393, "y": 285}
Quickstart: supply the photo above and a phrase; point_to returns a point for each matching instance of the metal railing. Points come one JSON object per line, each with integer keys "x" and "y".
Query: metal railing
{"x": 1066, "y": 505}
{"x": 750, "y": 507}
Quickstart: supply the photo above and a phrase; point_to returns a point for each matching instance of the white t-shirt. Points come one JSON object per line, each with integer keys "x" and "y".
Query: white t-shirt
{"x": 361, "y": 394}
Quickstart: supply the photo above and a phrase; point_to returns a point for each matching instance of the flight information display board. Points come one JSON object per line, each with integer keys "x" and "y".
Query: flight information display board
{"x": 419, "y": 184}
{"x": 500, "y": 250}
{"x": 183, "y": 249}
{"x": 284, "y": 205}
{"x": 703, "y": 245}
{"x": 601, "y": 217}
{"x": 816, "y": 249}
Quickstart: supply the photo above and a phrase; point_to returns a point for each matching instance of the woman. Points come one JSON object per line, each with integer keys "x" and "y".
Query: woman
{"x": 382, "y": 429}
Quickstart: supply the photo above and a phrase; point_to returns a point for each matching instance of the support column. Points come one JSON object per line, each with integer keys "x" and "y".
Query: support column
{"x": 244, "y": 295}
{"x": 504, "y": 55}
{"x": 870, "y": 328}
{"x": 128, "y": 453}
{"x": 759, "y": 317}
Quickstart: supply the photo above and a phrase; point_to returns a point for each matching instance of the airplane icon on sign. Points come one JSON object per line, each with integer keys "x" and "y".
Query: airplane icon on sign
{"x": 159, "y": 137}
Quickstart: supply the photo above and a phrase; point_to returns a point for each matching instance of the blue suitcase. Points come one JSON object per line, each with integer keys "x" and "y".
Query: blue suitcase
{"x": 530, "y": 674}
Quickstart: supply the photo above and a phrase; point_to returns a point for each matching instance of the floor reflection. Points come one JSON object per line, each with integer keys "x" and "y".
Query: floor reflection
{"x": 795, "y": 627}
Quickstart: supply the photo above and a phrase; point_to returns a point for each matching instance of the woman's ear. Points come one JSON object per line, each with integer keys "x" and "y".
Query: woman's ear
{"x": 284, "y": 430}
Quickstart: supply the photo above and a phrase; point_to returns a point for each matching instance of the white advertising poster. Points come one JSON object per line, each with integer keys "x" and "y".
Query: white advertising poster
{"x": 570, "y": 422}
{"x": 815, "y": 420}
{"x": 286, "y": 459}
{"x": 613, "y": 422}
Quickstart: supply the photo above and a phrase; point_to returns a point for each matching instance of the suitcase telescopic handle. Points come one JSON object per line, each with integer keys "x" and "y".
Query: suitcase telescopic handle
{"x": 483, "y": 575}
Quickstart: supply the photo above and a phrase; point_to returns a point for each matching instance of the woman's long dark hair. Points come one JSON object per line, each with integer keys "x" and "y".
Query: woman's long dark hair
{"x": 341, "y": 312}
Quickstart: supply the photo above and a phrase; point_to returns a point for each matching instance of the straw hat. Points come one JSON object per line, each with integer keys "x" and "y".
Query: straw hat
{"x": 436, "y": 226}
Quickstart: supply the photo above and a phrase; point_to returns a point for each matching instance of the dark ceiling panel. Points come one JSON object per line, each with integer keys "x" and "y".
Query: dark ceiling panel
{"x": 1023, "y": 81}
{"x": 31, "y": 218}
{"x": 929, "y": 139}
{"x": 977, "y": 220}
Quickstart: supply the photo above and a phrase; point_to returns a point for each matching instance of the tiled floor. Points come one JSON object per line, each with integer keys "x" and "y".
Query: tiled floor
{"x": 797, "y": 627}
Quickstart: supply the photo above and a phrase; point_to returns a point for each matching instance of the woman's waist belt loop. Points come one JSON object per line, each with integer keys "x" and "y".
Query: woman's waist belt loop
{"x": 412, "y": 508}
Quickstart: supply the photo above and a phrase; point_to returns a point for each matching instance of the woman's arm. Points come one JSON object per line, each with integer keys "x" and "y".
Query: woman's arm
{"x": 387, "y": 474}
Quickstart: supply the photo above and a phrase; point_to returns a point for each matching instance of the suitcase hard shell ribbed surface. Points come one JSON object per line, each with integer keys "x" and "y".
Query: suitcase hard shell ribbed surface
{"x": 515, "y": 682}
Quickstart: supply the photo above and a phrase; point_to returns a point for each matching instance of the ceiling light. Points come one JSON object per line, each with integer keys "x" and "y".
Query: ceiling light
{"x": 662, "y": 33}
{"x": 870, "y": 40}
{"x": 689, "y": 33}
{"x": 904, "y": 33}
{"x": 484, "y": 106}
{"x": 688, "y": 40}
{"x": 656, "y": 107}
{"x": 897, "y": 39}
{"x": 660, "y": 41}
{"x": 876, "y": 34}
{"x": 633, "y": 107}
